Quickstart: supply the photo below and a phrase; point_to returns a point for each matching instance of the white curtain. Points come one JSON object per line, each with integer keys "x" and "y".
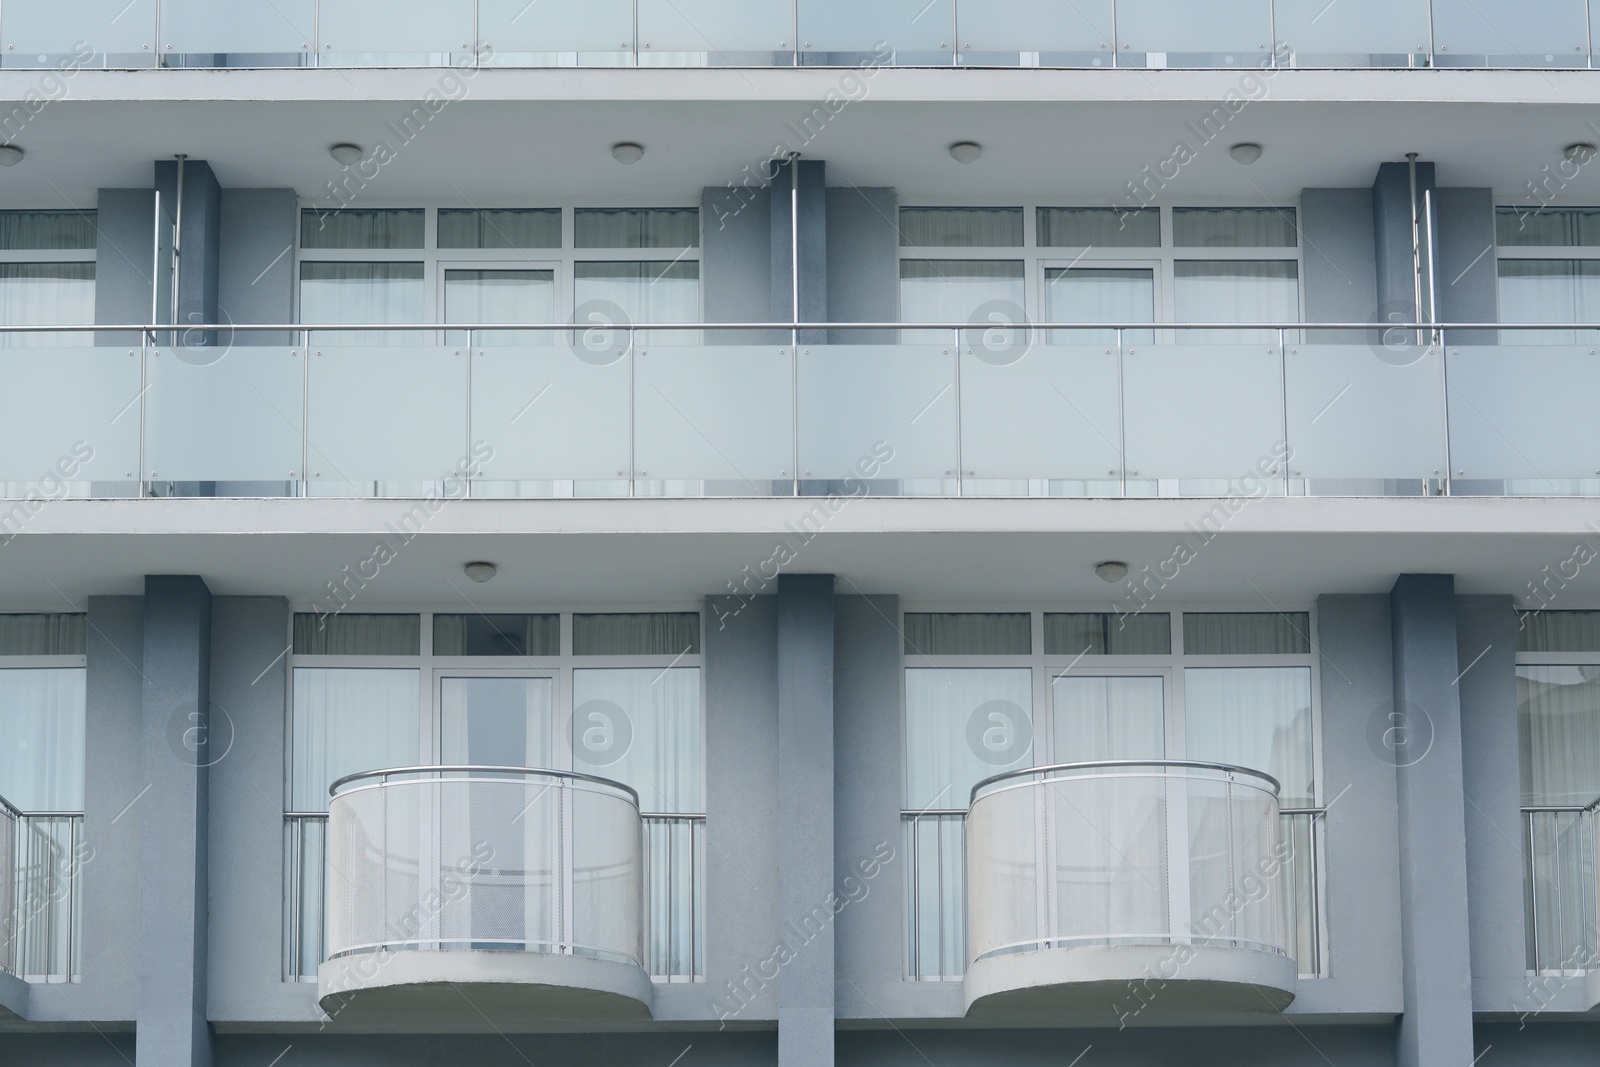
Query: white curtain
{"x": 1549, "y": 290}
{"x": 1234, "y": 227}
{"x": 43, "y": 635}
{"x": 652, "y": 291}
{"x": 362, "y": 293}
{"x": 952, "y": 290}
{"x": 637, "y": 228}
{"x": 1246, "y": 633}
{"x": 1558, "y": 717}
{"x": 347, "y": 720}
{"x": 961, "y": 227}
{"x": 1105, "y": 634}
{"x": 1255, "y": 717}
{"x": 357, "y": 635}
{"x": 30, "y": 230}
{"x": 485, "y": 228}
{"x": 657, "y": 746}
{"x": 1100, "y": 294}
{"x": 1108, "y": 718}
{"x": 46, "y": 294}
{"x": 963, "y": 725}
{"x": 1218, "y": 290}
{"x": 659, "y": 633}
{"x": 1558, "y": 631}
{"x": 968, "y": 634}
{"x": 1548, "y": 227}
{"x": 1099, "y": 227}
{"x": 362, "y": 229}
{"x": 42, "y": 738}
{"x": 500, "y": 296}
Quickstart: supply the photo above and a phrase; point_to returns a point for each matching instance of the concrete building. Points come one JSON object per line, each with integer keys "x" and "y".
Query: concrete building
{"x": 788, "y": 532}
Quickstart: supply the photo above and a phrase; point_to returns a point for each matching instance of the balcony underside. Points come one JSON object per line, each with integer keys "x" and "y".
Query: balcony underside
{"x": 13, "y": 998}
{"x": 466, "y": 987}
{"x": 1133, "y": 983}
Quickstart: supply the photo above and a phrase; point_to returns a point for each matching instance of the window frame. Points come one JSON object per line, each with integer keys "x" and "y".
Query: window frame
{"x": 88, "y": 256}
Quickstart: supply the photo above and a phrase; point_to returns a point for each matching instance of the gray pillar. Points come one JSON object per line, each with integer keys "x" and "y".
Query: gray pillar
{"x": 255, "y": 273}
{"x": 125, "y": 222}
{"x": 1340, "y": 284}
{"x": 863, "y": 262}
{"x": 736, "y": 260}
{"x": 1397, "y": 276}
{"x": 174, "y": 721}
{"x": 811, "y": 208}
{"x": 805, "y": 819}
{"x": 1468, "y": 286}
{"x": 201, "y": 237}
{"x": 1436, "y": 1027}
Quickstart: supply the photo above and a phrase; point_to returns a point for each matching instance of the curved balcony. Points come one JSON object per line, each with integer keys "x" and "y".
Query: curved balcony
{"x": 1148, "y": 889}
{"x": 522, "y": 889}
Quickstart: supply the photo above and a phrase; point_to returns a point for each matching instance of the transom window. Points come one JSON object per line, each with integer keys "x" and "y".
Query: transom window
{"x": 498, "y": 266}
{"x": 616, "y": 694}
{"x": 1549, "y": 272}
{"x": 997, "y": 691}
{"x": 1101, "y": 264}
{"x": 47, "y": 263}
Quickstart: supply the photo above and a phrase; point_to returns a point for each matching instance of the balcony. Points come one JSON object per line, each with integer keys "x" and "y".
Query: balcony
{"x": 652, "y": 411}
{"x": 1029, "y": 33}
{"x": 41, "y": 855}
{"x": 1147, "y": 889}
{"x": 456, "y": 894}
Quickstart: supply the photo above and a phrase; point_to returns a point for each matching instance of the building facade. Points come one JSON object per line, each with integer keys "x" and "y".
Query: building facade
{"x": 790, "y": 533}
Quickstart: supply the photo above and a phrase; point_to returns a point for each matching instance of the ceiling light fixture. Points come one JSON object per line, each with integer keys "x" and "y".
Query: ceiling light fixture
{"x": 480, "y": 572}
{"x": 346, "y": 154}
{"x": 10, "y": 155}
{"x": 1112, "y": 570}
{"x": 1246, "y": 153}
{"x": 966, "y": 151}
{"x": 627, "y": 152}
{"x": 1581, "y": 153}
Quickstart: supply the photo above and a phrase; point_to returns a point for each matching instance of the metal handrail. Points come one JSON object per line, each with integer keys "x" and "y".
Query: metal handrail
{"x": 20, "y": 814}
{"x": 1095, "y": 765}
{"x": 384, "y": 774}
{"x": 583, "y": 327}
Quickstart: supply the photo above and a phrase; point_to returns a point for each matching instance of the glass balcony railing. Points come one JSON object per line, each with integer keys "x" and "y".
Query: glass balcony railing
{"x": 742, "y": 410}
{"x": 1035, "y": 33}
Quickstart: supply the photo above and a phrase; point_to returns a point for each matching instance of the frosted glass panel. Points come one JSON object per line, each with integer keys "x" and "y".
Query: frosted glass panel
{"x": 1202, "y": 411}
{"x": 901, "y": 25}
{"x": 57, "y": 27}
{"x": 1524, "y": 412}
{"x": 252, "y": 26}
{"x": 387, "y": 414}
{"x": 1034, "y": 26}
{"x": 1511, "y": 28}
{"x": 71, "y": 404}
{"x": 855, "y": 399}
{"x": 716, "y": 25}
{"x": 239, "y": 418}
{"x": 1242, "y": 26}
{"x": 550, "y": 414}
{"x": 721, "y": 413}
{"x": 1051, "y": 414}
{"x": 556, "y": 25}
{"x": 1355, "y": 413}
{"x": 1352, "y": 27}
{"x": 395, "y": 26}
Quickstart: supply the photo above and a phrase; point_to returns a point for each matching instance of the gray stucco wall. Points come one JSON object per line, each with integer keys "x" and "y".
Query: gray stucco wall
{"x": 1337, "y": 256}
{"x": 863, "y": 262}
{"x": 124, "y": 256}
{"x": 1395, "y": 259}
{"x": 1467, "y": 281}
{"x": 256, "y": 272}
{"x": 736, "y": 259}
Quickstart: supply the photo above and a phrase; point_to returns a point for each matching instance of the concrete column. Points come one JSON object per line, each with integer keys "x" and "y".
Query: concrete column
{"x": 805, "y": 819}
{"x": 255, "y": 271}
{"x": 200, "y": 240}
{"x": 173, "y": 887}
{"x": 811, "y": 209}
{"x": 863, "y": 262}
{"x": 125, "y": 223}
{"x": 1397, "y": 275}
{"x": 1425, "y": 734}
{"x": 1468, "y": 285}
{"x": 736, "y": 261}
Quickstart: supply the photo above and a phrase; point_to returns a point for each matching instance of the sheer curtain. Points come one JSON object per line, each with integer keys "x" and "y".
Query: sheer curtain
{"x": 963, "y": 725}
{"x": 953, "y": 290}
{"x": 363, "y": 229}
{"x": 1100, "y": 294}
{"x": 362, "y": 293}
{"x": 1548, "y": 227}
{"x": 42, "y": 738}
{"x": 1234, "y": 227}
{"x": 968, "y": 634}
{"x": 1104, "y": 634}
{"x": 1549, "y": 290}
{"x": 1558, "y": 631}
{"x": 357, "y": 635}
{"x": 46, "y": 294}
{"x": 1108, "y": 718}
{"x": 1255, "y": 717}
{"x": 485, "y": 228}
{"x": 56, "y": 230}
{"x": 1218, "y": 290}
{"x": 43, "y": 635}
{"x": 657, "y": 745}
{"x": 961, "y": 227}
{"x": 664, "y": 292}
{"x": 1558, "y": 719}
{"x": 495, "y": 721}
{"x": 660, "y": 633}
{"x": 1099, "y": 227}
{"x": 493, "y": 297}
{"x": 347, "y": 720}
{"x": 1246, "y": 633}
{"x": 636, "y": 228}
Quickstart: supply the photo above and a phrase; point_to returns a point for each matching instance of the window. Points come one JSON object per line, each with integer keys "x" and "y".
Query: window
{"x": 47, "y": 262}
{"x": 1101, "y": 264}
{"x": 497, "y": 266}
{"x": 1549, "y": 272}
{"x": 1558, "y": 727}
{"x": 990, "y": 692}
{"x": 43, "y": 712}
{"x": 617, "y": 695}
